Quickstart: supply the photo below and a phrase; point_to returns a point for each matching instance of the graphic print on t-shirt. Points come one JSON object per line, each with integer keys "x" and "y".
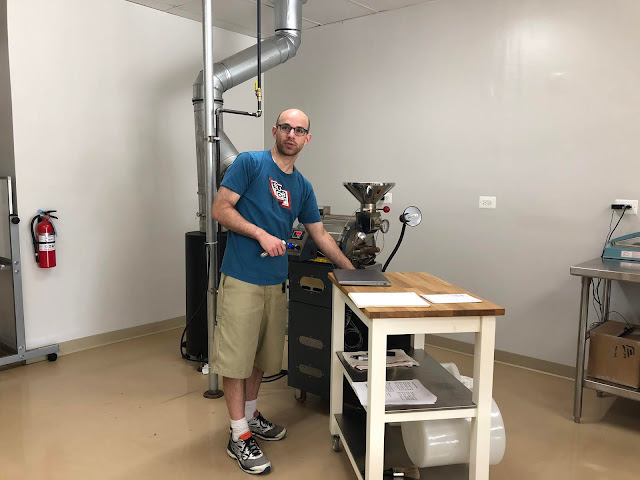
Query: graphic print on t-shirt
{"x": 280, "y": 193}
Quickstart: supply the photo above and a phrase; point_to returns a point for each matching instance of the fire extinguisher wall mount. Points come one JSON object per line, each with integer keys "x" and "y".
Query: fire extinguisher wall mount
{"x": 43, "y": 235}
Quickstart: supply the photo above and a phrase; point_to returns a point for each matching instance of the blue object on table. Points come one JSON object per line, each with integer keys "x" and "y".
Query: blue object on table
{"x": 626, "y": 247}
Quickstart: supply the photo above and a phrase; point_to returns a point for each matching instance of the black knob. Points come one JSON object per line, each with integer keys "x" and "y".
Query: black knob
{"x": 15, "y": 220}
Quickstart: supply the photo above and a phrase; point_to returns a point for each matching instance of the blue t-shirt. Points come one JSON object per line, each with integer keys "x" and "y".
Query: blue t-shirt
{"x": 272, "y": 200}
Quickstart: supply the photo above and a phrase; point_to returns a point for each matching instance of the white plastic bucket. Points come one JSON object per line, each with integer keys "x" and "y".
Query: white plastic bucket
{"x": 433, "y": 443}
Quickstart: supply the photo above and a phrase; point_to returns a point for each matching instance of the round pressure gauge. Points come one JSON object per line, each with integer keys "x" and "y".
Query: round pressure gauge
{"x": 384, "y": 226}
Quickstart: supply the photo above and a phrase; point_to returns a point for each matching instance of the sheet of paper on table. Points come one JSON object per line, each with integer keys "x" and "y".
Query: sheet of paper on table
{"x": 387, "y": 299}
{"x": 399, "y": 392}
{"x": 451, "y": 298}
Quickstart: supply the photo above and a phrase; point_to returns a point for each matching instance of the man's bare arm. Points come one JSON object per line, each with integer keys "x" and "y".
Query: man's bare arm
{"x": 224, "y": 212}
{"x": 328, "y": 245}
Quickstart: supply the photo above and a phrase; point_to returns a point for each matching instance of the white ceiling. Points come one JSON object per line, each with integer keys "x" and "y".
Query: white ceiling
{"x": 240, "y": 15}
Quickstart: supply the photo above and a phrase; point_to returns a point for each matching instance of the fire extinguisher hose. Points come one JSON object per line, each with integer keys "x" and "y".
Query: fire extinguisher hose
{"x": 33, "y": 236}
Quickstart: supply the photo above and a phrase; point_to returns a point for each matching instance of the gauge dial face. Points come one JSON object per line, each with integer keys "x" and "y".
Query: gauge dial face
{"x": 384, "y": 226}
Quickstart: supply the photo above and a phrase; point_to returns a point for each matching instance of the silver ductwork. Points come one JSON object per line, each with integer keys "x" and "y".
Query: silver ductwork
{"x": 228, "y": 152}
{"x": 278, "y": 49}
{"x": 233, "y": 71}
{"x": 288, "y": 15}
{"x": 243, "y": 65}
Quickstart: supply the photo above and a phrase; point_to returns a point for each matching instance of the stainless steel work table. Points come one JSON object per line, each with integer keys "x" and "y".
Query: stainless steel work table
{"x": 621, "y": 271}
{"x": 364, "y": 439}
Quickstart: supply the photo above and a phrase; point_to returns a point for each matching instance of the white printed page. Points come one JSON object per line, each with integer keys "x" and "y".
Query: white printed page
{"x": 391, "y": 299}
{"x": 451, "y": 298}
{"x": 400, "y": 392}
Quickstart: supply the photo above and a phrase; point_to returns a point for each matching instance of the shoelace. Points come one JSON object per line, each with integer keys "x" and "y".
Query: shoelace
{"x": 263, "y": 422}
{"x": 251, "y": 448}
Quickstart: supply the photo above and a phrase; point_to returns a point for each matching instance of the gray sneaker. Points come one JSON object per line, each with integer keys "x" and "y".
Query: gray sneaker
{"x": 264, "y": 429}
{"x": 248, "y": 454}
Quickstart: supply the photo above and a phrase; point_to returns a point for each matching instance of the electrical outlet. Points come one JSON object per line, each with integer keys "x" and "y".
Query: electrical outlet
{"x": 633, "y": 203}
{"x": 487, "y": 202}
{"x": 386, "y": 198}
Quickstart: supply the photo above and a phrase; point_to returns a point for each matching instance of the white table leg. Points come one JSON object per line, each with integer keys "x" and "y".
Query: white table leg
{"x": 418, "y": 341}
{"x": 374, "y": 462}
{"x": 482, "y": 392}
{"x": 337, "y": 345}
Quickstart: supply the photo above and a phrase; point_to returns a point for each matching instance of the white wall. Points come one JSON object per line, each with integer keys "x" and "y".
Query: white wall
{"x": 533, "y": 101}
{"x": 103, "y": 129}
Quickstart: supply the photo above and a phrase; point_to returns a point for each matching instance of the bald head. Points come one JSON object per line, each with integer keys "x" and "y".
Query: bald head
{"x": 291, "y": 133}
{"x": 294, "y": 114}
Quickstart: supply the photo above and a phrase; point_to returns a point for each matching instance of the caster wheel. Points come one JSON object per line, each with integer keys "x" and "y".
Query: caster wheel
{"x": 301, "y": 396}
{"x": 52, "y": 357}
{"x": 335, "y": 443}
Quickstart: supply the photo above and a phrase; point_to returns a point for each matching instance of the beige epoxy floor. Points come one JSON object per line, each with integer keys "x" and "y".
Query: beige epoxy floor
{"x": 134, "y": 410}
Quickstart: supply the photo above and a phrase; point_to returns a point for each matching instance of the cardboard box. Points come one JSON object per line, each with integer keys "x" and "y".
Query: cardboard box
{"x": 614, "y": 354}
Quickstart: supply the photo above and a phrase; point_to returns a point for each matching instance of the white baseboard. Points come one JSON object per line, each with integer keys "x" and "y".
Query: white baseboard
{"x": 513, "y": 359}
{"x": 107, "y": 338}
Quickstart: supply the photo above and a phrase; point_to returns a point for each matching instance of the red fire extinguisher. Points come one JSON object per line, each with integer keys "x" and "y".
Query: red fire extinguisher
{"x": 44, "y": 238}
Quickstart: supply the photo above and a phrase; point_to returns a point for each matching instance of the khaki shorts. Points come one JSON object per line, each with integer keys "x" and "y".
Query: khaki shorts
{"x": 250, "y": 328}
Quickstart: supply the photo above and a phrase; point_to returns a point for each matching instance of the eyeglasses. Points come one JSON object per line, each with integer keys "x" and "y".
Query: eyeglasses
{"x": 286, "y": 128}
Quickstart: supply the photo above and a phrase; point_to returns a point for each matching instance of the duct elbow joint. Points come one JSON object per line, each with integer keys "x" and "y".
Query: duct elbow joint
{"x": 218, "y": 89}
{"x": 292, "y": 39}
{"x": 294, "y": 36}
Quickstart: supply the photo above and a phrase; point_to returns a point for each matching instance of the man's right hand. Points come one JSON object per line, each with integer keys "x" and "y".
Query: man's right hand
{"x": 272, "y": 245}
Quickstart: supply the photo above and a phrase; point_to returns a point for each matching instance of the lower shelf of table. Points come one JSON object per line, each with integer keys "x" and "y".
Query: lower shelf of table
{"x": 612, "y": 388}
{"x": 451, "y": 394}
{"x": 353, "y": 427}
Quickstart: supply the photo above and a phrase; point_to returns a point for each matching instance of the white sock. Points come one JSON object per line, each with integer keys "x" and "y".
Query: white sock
{"x": 250, "y": 407}
{"x": 238, "y": 427}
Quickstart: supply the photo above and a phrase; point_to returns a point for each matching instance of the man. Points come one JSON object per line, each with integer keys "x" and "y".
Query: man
{"x": 260, "y": 197}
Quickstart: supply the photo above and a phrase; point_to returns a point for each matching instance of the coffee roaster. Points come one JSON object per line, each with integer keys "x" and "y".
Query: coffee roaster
{"x": 310, "y": 289}
{"x": 354, "y": 234}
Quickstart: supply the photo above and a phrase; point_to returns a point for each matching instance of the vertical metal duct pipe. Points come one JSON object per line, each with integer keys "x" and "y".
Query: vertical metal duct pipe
{"x": 209, "y": 88}
{"x": 210, "y": 182}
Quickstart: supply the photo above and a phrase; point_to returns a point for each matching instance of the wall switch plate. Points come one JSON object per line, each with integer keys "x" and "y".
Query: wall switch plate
{"x": 633, "y": 203}
{"x": 487, "y": 202}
